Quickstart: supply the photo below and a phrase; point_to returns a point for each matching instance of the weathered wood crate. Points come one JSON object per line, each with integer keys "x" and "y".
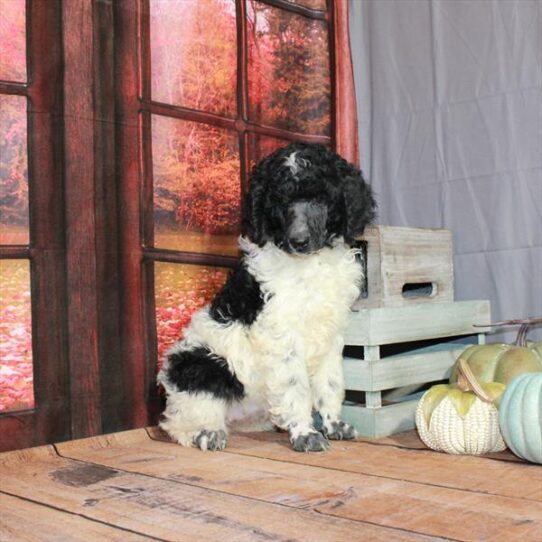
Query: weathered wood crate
{"x": 388, "y": 382}
{"x": 403, "y": 266}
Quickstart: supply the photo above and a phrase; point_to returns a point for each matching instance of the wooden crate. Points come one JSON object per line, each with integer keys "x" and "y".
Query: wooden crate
{"x": 389, "y": 384}
{"x": 404, "y": 266}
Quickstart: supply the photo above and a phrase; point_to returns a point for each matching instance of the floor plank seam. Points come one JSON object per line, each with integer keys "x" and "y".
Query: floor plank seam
{"x": 379, "y": 476}
{"x": 88, "y": 518}
{"x": 429, "y": 451}
{"x": 310, "y": 510}
{"x": 392, "y": 445}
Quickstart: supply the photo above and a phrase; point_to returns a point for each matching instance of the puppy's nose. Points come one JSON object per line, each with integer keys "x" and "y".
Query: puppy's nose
{"x": 299, "y": 243}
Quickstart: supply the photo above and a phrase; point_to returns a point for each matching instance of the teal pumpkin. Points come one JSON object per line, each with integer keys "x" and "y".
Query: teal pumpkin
{"x": 520, "y": 416}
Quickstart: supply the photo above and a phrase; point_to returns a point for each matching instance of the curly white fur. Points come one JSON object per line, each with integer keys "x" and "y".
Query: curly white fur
{"x": 290, "y": 359}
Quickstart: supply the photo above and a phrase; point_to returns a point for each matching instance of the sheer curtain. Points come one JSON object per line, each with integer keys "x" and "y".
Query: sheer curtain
{"x": 449, "y": 96}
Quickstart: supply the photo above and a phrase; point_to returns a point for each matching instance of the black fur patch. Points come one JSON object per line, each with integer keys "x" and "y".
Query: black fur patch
{"x": 240, "y": 300}
{"x": 200, "y": 370}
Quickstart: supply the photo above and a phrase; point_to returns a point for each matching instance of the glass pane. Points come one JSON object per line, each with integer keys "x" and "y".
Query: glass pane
{"x": 194, "y": 54}
{"x": 13, "y": 40}
{"x": 196, "y": 187}
{"x": 13, "y": 171}
{"x": 16, "y": 381}
{"x": 289, "y": 85}
{"x": 261, "y": 146}
{"x": 180, "y": 290}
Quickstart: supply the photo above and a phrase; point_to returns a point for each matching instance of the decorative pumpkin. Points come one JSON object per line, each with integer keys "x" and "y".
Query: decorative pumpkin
{"x": 503, "y": 362}
{"x": 461, "y": 418}
{"x": 520, "y": 416}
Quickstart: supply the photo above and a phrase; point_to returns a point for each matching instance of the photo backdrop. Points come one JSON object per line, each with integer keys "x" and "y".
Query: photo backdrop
{"x": 449, "y": 98}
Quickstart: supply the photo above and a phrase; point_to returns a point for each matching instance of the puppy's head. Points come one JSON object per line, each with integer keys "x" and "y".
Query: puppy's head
{"x": 304, "y": 196}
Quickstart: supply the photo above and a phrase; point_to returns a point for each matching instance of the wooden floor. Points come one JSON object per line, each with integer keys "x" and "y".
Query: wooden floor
{"x": 137, "y": 486}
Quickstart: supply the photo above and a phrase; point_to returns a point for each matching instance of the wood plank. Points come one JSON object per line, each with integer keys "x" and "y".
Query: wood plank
{"x": 126, "y": 19}
{"x": 382, "y": 421}
{"x": 80, "y": 213}
{"x": 471, "y": 473}
{"x": 390, "y": 325}
{"x": 411, "y": 440}
{"x": 419, "y": 366}
{"x": 169, "y": 509}
{"x": 341, "y": 494}
{"x": 25, "y": 521}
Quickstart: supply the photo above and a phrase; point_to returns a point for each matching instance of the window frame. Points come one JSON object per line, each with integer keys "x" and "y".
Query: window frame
{"x": 93, "y": 322}
{"x": 138, "y": 254}
{"x": 49, "y": 419}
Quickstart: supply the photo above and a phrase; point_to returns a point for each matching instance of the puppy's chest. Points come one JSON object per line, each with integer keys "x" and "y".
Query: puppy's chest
{"x": 314, "y": 292}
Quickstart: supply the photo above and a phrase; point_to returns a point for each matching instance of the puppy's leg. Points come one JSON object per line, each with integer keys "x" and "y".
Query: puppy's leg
{"x": 289, "y": 397}
{"x": 328, "y": 392}
{"x": 199, "y": 388}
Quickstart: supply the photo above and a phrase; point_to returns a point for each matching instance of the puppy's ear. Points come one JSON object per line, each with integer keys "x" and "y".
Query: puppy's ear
{"x": 359, "y": 202}
{"x": 253, "y": 220}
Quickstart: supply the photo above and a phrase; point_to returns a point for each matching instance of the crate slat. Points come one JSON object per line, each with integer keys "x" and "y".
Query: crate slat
{"x": 381, "y": 422}
{"x": 389, "y": 325}
{"x": 417, "y": 367}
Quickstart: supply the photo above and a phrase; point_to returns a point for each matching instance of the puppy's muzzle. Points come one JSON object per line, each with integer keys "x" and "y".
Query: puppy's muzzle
{"x": 300, "y": 244}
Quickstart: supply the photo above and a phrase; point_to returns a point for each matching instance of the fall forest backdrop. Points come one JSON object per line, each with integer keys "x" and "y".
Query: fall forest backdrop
{"x": 195, "y": 167}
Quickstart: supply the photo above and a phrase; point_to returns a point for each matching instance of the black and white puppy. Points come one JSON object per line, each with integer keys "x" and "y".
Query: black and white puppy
{"x": 271, "y": 340}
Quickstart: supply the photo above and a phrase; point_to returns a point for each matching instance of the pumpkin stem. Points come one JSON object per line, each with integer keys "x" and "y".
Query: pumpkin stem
{"x": 466, "y": 381}
{"x": 525, "y": 324}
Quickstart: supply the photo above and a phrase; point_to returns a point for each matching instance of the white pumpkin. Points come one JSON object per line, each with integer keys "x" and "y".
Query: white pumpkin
{"x": 461, "y": 418}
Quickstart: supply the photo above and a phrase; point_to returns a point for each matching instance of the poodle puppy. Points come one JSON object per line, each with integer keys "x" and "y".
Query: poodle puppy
{"x": 270, "y": 343}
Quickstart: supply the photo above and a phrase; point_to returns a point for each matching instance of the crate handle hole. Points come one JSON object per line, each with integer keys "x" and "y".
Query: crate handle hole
{"x": 419, "y": 289}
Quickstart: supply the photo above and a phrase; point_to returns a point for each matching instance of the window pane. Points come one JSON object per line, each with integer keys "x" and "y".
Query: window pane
{"x": 13, "y": 40}
{"x": 179, "y": 291}
{"x": 194, "y": 54}
{"x": 261, "y": 146}
{"x": 196, "y": 187}
{"x": 289, "y": 84}
{"x": 16, "y": 382}
{"x": 13, "y": 171}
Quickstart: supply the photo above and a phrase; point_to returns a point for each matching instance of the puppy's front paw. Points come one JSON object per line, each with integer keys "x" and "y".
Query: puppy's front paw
{"x": 339, "y": 431}
{"x": 211, "y": 440}
{"x": 309, "y": 442}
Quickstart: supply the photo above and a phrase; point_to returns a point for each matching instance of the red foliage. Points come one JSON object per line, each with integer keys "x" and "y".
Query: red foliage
{"x": 16, "y": 381}
{"x": 180, "y": 291}
{"x": 196, "y": 168}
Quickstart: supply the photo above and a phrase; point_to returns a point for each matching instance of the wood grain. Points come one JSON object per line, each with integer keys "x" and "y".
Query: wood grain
{"x": 332, "y": 492}
{"x": 22, "y": 520}
{"x": 168, "y": 509}
{"x": 397, "y": 256}
{"x": 423, "y": 466}
{"x": 391, "y": 325}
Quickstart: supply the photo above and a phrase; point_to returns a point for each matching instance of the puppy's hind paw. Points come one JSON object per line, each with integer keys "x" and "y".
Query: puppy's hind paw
{"x": 211, "y": 440}
{"x": 339, "y": 431}
{"x": 309, "y": 442}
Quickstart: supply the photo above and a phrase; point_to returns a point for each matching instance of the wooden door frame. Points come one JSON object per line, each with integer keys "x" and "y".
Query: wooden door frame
{"x": 50, "y": 419}
{"x": 138, "y": 331}
{"x": 93, "y": 330}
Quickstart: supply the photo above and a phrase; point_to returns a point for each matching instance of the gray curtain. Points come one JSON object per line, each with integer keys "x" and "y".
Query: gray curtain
{"x": 449, "y": 96}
